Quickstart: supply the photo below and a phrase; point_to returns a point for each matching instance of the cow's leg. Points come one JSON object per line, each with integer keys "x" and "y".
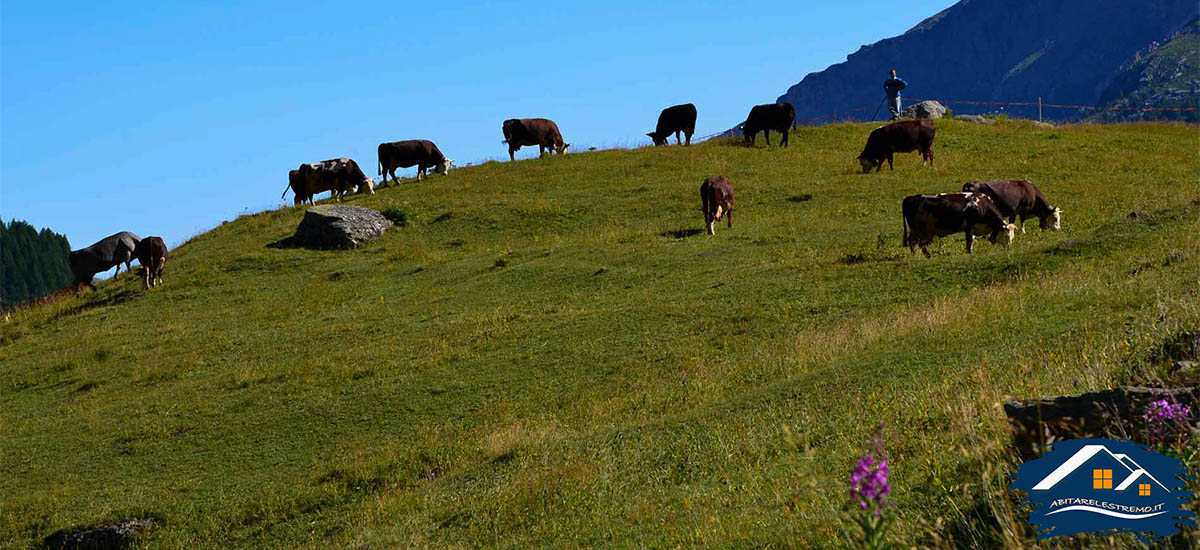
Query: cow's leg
{"x": 688, "y": 135}
{"x": 925, "y": 250}
{"x": 145, "y": 277}
{"x": 786, "y": 137}
{"x": 767, "y": 136}
{"x": 931, "y": 156}
{"x": 970, "y": 237}
{"x": 1022, "y": 224}
{"x": 729, "y": 214}
{"x": 890, "y": 167}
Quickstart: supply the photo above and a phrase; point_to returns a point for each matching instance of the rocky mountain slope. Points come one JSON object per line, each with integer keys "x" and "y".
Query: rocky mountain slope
{"x": 1064, "y": 51}
{"x": 1163, "y": 75}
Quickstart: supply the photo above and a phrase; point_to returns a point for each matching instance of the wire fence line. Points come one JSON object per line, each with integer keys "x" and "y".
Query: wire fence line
{"x": 834, "y": 115}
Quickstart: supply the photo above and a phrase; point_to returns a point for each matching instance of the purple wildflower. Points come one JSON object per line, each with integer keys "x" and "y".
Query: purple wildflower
{"x": 1165, "y": 420}
{"x": 869, "y": 483}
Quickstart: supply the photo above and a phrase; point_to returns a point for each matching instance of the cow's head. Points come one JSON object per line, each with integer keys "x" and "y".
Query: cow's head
{"x": 867, "y": 164}
{"x": 444, "y": 166}
{"x": 658, "y": 140}
{"x": 1004, "y": 237}
{"x": 562, "y": 149}
{"x": 1053, "y": 221}
{"x": 367, "y": 186}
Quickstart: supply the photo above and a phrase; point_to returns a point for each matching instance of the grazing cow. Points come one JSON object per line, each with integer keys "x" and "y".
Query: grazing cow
{"x": 151, "y": 252}
{"x": 299, "y": 188}
{"x": 519, "y": 132}
{"x": 932, "y": 216}
{"x": 904, "y": 136}
{"x": 1019, "y": 198}
{"x": 421, "y": 153}
{"x": 780, "y": 117}
{"x": 338, "y": 176}
{"x": 110, "y": 251}
{"x": 673, "y": 120}
{"x": 716, "y": 199}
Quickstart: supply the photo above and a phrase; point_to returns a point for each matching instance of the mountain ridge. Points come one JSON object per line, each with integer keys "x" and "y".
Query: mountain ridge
{"x": 989, "y": 50}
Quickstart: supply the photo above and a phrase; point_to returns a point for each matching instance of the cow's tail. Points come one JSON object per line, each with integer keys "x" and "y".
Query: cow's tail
{"x": 904, "y": 222}
{"x": 380, "y": 164}
{"x": 285, "y": 190}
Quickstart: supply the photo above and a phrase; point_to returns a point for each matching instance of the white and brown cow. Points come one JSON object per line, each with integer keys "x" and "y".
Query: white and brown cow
{"x": 1019, "y": 198}
{"x": 929, "y": 216}
{"x": 339, "y": 176}
{"x": 716, "y": 199}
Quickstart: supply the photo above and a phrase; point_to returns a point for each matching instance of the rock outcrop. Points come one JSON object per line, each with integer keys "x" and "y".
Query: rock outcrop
{"x": 924, "y": 109}
{"x": 974, "y": 118}
{"x": 338, "y": 226}
{"x": 109, "y": 537}
{"x": 1115, "y": 413}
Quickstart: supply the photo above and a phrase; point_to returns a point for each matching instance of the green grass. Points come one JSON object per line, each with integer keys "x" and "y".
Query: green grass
{"x": 551, "y": 353}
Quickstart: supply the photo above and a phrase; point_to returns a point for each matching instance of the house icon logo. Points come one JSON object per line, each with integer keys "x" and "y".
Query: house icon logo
{"x": 1104, "y": 486}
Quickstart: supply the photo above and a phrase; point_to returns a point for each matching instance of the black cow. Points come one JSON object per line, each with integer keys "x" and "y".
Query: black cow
{"x": 780, "y": 117}
{"x": 110, "y": 251}
{"x": 1019, "y": 198}
{"x": 151, "y": 252}
{"x": 931, "y": 216}
{"x": 519, "y": 132}
{"x": 421, "y": 153}
{"x": 904, "y": 136}
{"x": 673, "y": 120}
{"x": 716, "y": 199}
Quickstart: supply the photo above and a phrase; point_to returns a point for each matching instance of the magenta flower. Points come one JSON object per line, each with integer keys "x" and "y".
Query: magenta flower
{"x": 869, "y": 483}
{"x": 1166, "y": 421}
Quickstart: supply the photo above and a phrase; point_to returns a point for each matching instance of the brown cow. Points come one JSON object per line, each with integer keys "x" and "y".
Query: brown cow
{"x": 151, "y": 252}
{"x": 519, "y": 132}
{"x": 673, "y": 120}
{"x": 1019, "y": 198}
{"x": 780, "y": 117}
{"x": 421, "y": 153}
{"x": 716, "y": 199}
{"x": 904, "y": 136}
{"x": 932, "y": 216}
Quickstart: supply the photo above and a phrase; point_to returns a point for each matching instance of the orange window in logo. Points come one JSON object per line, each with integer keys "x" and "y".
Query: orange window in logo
{"x": 1143, "y": 489}
{"x": 1102, "y": 479}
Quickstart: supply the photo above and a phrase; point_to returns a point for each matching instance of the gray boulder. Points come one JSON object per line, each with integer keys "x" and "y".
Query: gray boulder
{"x": 974, "y": 118}
{"x": 924, "y": 109}
{"x": 110, "y": 537}
{"x": 339, "y": 226}
{"x": 1115, "y": 413}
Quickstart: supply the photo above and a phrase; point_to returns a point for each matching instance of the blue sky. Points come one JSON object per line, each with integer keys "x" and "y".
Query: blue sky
{"x": 168, "y": 118}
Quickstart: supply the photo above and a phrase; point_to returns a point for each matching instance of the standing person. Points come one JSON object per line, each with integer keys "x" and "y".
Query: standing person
{"x": 891, "y": 88}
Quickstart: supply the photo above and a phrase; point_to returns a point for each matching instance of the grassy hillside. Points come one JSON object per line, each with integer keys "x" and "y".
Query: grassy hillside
{"x": 552, "y": 353}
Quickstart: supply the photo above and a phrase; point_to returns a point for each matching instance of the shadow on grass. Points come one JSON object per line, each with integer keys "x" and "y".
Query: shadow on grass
{"x": 682, "y": 233}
